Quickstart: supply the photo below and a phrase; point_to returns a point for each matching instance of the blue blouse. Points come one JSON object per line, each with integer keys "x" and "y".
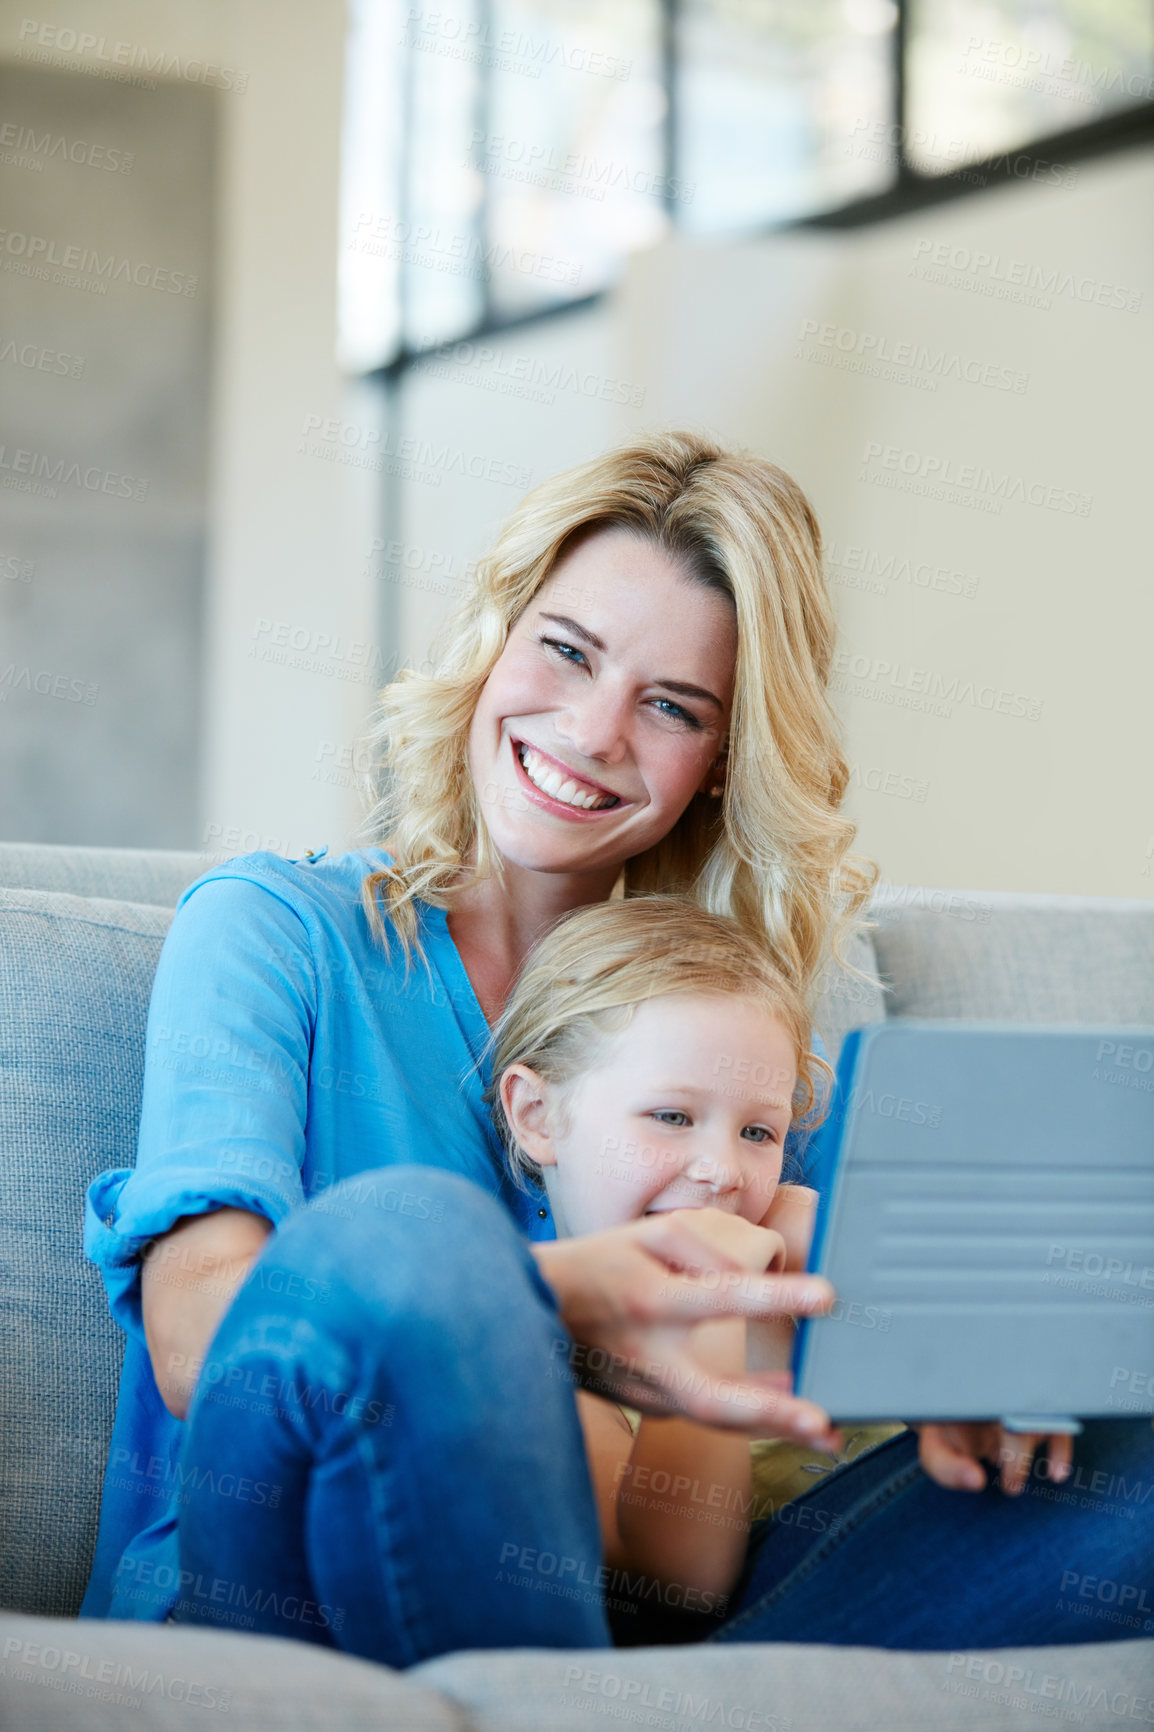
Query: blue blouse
{"x": 285, "y": 1052}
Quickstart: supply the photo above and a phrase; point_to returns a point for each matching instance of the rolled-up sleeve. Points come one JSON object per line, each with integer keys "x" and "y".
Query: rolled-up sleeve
{"x": 223, "y": 1110}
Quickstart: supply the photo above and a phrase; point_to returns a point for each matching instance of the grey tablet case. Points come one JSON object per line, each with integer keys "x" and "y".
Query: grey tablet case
{"x": 986, "y": 1217}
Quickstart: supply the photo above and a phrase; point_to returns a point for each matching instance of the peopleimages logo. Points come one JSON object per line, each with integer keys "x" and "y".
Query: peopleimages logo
{"x": 41, "y": 472}
{"x": 111, "y": 56}
{"x": 925, "y": 689}
{"x": 905, "y": 361}
{"x": 965, "y": 483}
{"x": 24, "y": 147}
{"x": 1015, "y": 279}
{"x": 36, "y": 255}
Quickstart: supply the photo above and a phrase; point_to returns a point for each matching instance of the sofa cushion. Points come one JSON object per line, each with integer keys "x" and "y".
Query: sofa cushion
{"x": 850, "y": 996}
{"x": 1016, "y": 958}
{"x": 785, "y": 1687}
{"x": 103, "y": 1677}
{"x": 128, "y": 874}
{"x": 75, "y": 979}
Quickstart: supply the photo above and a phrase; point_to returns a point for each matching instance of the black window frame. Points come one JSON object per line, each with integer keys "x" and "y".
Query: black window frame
{"x": 911, "y": 190}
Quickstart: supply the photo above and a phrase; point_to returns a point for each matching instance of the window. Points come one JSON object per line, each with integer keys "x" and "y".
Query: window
{"x": 502, "y": 158}
{"x": 781, "y": 106}
{"x": 996, "y": 77}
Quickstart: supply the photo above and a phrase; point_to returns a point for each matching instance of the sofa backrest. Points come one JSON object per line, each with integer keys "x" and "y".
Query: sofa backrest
{"x": 75, "y": 975}
{"x": 117, "y": 874}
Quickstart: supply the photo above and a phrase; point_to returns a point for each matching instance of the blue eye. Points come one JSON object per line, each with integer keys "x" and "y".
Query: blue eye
{"x": 676, "y": 713}
{"x": 566, "y": 651}
{"x": 670, "y": 1115}
{"x": 758, "y": 1134}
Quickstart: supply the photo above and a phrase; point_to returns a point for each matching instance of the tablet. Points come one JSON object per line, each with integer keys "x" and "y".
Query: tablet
{"x": 986, "y": 1217}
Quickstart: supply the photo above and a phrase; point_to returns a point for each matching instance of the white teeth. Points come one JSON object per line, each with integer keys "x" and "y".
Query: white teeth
{"x": 551, "y": 782}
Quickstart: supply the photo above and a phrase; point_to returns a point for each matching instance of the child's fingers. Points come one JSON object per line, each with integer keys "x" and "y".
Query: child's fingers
{"x": 1016, "y": 1451}
{"x": 953, "y": 1454}
{"x": 1059, "y": 1455}
{"x": 792, "y": 1214}
{"x": 946, "y": 1454}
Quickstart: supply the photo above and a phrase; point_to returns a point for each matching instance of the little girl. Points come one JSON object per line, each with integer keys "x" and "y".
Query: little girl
{"x": 652, "y": 1058}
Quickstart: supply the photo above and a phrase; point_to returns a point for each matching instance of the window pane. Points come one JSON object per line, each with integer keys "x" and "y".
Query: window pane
{"x": 368, "y": 274}
{"x": 442, "y": 263}
{"x": 781, "y": 104}
{"x": 570, "y": 155}
{"x": 992, "y": 78}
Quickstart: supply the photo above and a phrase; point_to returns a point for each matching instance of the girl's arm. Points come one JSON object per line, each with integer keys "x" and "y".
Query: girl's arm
{"x": 685, "y": 1494}
{"x": 675, "y": 1500}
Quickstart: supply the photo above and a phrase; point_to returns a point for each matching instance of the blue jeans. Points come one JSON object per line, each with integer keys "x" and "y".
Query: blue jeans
{"x": 384, "y": 1456}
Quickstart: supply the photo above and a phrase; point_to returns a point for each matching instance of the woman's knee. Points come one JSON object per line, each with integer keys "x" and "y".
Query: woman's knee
{"x": 391, "y": 1247}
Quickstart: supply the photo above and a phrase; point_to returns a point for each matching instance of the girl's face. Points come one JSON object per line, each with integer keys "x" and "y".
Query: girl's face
{"x": 607, "y": 710}
{"x": 688, "y": 1109}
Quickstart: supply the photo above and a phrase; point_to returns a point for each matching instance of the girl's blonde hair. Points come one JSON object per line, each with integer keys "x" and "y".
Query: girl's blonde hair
{"x": 582, "y": 983}
{"x": 774, "y": 851}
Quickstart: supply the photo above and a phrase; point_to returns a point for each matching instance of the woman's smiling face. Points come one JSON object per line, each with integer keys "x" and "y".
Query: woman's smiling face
{"x": 607, "y": 710}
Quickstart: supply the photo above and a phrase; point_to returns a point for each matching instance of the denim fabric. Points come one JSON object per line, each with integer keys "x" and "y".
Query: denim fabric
{"x": 397, "y": 1471}
{"x": 879, "y": 1556}
{"x": 408, "y": 1478}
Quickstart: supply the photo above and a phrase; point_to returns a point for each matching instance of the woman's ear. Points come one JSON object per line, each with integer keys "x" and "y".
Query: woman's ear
{"x": 525, "y": 1099}
{"x": 713, "y": 782}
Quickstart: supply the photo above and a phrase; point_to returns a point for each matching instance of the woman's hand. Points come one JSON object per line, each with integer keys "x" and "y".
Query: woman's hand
{"x": 953, "y": 1455}
{"x": 631, "y": 1299}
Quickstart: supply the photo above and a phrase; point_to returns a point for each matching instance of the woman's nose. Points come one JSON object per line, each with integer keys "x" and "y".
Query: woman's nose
{"x": 596, "y": 726}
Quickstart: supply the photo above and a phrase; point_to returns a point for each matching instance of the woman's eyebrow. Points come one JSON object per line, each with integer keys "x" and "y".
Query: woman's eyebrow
{"x": 679, "y": 686}
{"x": 580, "y": 631}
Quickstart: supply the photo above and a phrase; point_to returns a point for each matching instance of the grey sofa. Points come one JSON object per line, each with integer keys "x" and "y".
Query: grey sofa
{"x": 80, "y": 932}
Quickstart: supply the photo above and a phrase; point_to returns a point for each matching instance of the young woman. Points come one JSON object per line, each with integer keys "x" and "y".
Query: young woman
{"x": 635, "y": 690}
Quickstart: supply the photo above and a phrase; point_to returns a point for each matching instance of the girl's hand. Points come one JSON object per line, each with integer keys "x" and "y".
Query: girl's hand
{"x": 790, "y": 1217}
{"x": 792, "y": 1213}
{"x": 760, "y": 1249}
{"x": 953, "y": 1455}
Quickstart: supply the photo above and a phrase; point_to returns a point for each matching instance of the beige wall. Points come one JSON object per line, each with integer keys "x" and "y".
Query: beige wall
{"x": 290, "y": 526}
{"x": 287, "y": 530}
{"x": 106, "y": 378}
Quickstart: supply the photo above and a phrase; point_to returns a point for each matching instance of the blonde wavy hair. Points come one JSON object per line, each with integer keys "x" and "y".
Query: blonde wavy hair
{"x": 582, "y": 984}
{"x": 774, "y": 851}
